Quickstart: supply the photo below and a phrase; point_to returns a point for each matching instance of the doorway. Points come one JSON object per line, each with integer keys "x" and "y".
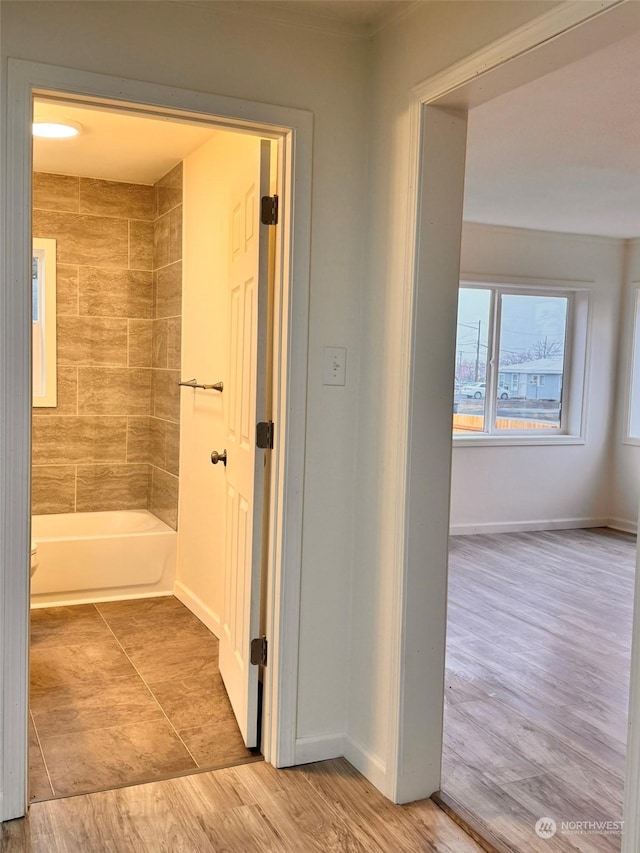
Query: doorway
{"x": 94, "y": 87}
{"x": 141, "y": 249}
{"x": 438, "y": 148}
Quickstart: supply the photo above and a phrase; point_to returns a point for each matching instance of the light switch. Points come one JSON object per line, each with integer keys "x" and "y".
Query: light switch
{"x": 335, "y": 366}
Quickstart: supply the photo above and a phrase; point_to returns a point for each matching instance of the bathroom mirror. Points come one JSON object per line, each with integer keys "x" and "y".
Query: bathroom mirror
{"x": 43, "y": 315}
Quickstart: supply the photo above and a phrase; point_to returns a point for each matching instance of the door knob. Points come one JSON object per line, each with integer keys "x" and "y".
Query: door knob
{"x": 219, "y": 457}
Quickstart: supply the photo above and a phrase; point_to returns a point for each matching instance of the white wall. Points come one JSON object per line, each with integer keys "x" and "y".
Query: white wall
{"x": 502, "y": 488}
{"x": 208, "y": 173}
{"x": 625, "y": 486}
{"x": 207, "y": 49}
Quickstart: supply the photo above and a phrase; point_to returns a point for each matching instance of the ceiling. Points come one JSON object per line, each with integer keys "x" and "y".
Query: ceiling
{"x": 114, "y": 146}
{"x": 563, "y": 152}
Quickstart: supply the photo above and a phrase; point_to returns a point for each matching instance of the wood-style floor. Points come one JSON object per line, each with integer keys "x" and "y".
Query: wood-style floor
{"x": 538, "y": 660}
{"x": 124, "y": 692}
{"x": 317, "y": 808}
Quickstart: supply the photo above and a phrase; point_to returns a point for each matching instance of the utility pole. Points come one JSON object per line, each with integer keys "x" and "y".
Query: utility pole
{"x": 478, "y": 352}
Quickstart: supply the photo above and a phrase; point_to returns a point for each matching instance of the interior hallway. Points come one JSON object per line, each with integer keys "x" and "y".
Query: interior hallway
{"x": 538, "y": 661}
{"x": 125, "y": 692}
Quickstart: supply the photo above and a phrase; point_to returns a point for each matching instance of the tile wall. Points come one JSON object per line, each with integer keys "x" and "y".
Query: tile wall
{"x": 164, "y": 424}
{"x": 111, "y": 441}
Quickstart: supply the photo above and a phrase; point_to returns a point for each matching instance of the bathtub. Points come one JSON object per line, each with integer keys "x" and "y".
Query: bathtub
{"x": 101, "y": 556}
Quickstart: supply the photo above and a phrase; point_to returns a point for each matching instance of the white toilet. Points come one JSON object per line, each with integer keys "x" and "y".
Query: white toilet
{"x": 34, "y": 557}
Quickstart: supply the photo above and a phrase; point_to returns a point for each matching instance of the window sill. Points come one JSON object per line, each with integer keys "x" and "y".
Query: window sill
{"x": 515, "y": 440}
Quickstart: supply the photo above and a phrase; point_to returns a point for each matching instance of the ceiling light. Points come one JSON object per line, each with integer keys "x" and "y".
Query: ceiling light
{"x": 56, "y": 129}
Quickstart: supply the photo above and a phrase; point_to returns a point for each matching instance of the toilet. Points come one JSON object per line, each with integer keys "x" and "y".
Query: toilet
{"x": 34, "y": 557}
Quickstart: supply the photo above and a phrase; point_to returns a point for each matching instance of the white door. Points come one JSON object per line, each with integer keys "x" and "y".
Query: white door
{"x": 244, "y": 403}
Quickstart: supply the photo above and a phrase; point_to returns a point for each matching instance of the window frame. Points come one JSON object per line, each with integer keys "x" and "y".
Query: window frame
{"x": 45, "y": 249}
{"x": 634, "y": 356}
{"x": 575, "y": 360}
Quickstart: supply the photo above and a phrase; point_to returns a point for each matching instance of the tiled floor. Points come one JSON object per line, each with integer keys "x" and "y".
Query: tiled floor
{"x": 125, "y": 692}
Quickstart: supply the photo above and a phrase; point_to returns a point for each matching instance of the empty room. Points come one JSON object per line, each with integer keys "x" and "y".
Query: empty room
{"x": 546, "y": 428}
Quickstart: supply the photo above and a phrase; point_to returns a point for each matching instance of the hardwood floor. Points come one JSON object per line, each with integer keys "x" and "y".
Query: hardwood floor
{"x": 124, "y": 692}
{"x": 316, "y": 808}
{"x": 538, "y": 660}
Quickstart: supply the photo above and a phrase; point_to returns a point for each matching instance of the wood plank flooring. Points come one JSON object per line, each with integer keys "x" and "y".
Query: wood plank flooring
{"x": 316, "y": 808}
{"x": 538, "y": 660}
{"x": 125, "y": 692}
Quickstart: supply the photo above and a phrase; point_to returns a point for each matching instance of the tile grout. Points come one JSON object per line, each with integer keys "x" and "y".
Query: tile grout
{"x": 155, "y": 698}
{"x": 44, "y": 760}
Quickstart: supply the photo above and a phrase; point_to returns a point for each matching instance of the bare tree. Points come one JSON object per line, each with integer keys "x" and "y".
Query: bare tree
{"x": 543, "y": 348}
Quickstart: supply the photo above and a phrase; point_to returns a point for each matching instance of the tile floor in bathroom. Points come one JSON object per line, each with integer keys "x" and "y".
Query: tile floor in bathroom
{"x": 125, "y": 692}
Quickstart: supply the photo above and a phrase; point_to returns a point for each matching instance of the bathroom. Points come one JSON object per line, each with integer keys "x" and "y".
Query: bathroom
{"x": 131, "y": 228}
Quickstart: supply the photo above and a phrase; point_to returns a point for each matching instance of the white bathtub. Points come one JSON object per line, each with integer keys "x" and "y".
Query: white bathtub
{"x": 102, "y": 556}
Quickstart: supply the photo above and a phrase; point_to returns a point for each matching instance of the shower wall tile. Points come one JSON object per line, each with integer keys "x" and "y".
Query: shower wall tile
{"x": 160, "y": 343}
{"x": 79, "y": 439}
{"x": 169, "y": 190}
{"x": 167, "y": 304}
{"x": 67, "y": 394}
{"x": 174, "y": 342}
{"x": 173, "y": 449}
{"x": 92, "y": 340}
{"x": 140, "y": 245}
{"x": 158, "y": 442}
{"x": 166, "y": 395}
{"x": 101, "y": 488}
{"x": 161, "y": 239}
{"x": 67, "y": 277}
{"x": 53, "y": 489}
{"x": 100, "y": 428}
{"x": 140, "y": 343}
{"x": 138, "y": 439}
{"x": 87, "y": 240}
{"x": 113, "y": 198}
{"x": 114, "y": 391}
{"x": 175, "y": 235}
{"x": 56, "y": 192}
{"x": 164, "y": 496}
{"x": 116, "y": 293}
{"x": 168, "y": 291}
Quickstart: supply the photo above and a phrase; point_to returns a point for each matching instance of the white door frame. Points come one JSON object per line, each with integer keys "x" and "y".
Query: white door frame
{"x": 294, "y": 129}
{"x": 562, "y": 35}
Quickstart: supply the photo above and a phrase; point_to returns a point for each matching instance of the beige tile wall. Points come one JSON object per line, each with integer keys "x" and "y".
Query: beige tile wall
{"x": 112, "y": 441}
{"x": 164, "y": 436}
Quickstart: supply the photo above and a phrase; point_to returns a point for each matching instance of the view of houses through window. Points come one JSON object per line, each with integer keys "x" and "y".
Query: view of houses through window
{"x": 511, "y": 350}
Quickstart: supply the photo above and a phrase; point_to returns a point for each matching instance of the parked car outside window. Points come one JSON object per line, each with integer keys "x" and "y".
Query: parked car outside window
{"x": 477, "y": 391}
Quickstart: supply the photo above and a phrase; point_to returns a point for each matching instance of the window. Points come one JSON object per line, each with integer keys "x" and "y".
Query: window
{"x": 634, "y": 401}
{"x": 515, "y": 348}
{"x": 43, "y": 316}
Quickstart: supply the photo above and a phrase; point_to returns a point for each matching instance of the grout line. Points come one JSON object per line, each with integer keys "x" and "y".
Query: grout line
{"x": 44, "y": 760}
{"x": 148, "y": 688}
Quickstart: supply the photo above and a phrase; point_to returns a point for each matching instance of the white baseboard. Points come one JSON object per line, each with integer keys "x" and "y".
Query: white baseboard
{"x": 623, "y": 524}
{"x": 319, "y": 748}
{"x": 526, "y": 526}
{"x": 371, "y": 766}
{"x": 204, "y": 613}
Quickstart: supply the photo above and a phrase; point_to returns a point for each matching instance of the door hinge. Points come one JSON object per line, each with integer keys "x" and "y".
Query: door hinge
{"x": 264, "y": 435}
{"x": 259, "y": 651}
{"x": 269, "y": 210}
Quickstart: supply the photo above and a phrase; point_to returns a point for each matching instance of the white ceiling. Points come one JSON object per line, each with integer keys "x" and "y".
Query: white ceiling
{"x": 563, "y": 152}
{"x": 114, "y": 146}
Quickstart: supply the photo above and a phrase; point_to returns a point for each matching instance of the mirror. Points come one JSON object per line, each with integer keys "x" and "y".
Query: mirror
{"x": 43, "y": 315}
